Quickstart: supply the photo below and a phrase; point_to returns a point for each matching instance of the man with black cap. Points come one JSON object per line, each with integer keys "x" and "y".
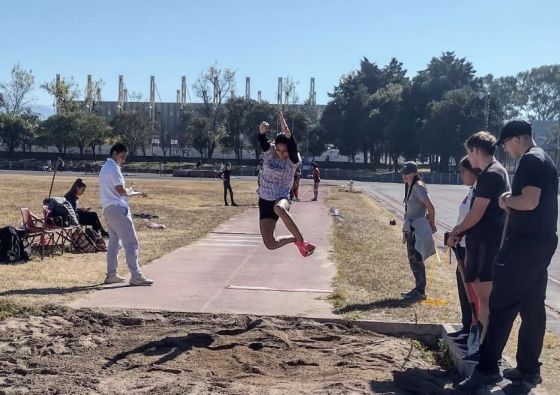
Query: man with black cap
{"x": 520, "y": 271}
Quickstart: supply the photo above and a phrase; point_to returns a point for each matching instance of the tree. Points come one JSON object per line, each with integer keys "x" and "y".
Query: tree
{"x": 541, "y": 87}
{"x": 13, "y": 131}
{"x": 213, "y": 87}
{"x": 59, "y": 130}
{"x": 237, "y": 126}
{"x": 14, "y": 95}
{"x": 66, "y": 95}
{"x": 92, "y": 130}
{"x": 132, "y": 129}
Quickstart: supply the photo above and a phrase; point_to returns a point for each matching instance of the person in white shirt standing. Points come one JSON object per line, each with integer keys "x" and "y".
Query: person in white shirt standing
{"x": 114, "y": 201}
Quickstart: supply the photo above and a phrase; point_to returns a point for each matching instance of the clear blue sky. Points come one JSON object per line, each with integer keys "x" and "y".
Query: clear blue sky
{"x": 266, "y": 39}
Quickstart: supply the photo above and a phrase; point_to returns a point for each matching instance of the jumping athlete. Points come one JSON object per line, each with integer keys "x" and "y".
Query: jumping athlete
{"x": 280, "y": 161}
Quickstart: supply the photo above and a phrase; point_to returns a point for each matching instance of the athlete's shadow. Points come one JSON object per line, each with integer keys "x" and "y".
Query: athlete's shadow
{"x": 389, "y": 303}
{"x": 171, "y": 347}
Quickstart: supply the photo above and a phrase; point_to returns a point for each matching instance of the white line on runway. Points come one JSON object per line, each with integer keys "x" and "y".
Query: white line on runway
{"x": 249, "y": 288}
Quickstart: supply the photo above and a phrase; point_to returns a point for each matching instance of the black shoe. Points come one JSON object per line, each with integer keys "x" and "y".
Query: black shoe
{"x": 473, "y": 358}
{"x": 227, "y": 204}
{"x": 515, "y": 374}
{"x": 415, "y": 296}
{"x": 479, "y": 380}
{"x": 463, "y": 340}
{"x": 403, "y": 294}
{"x": 235, "y": 204}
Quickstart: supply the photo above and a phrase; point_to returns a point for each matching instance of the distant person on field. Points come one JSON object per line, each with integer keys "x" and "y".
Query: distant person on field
{"x": 86, "y": 217}
{"x": 294, "y": 193}
{"x": 114, "y": 200}
{"x": 225, "y": 175}
{"x": 316, "y": 180}
{"x": 418, "y": 227}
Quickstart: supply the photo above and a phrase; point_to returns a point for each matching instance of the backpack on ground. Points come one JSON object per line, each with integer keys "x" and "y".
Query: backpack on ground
{"x": 82, "y": 242}
{"x": 97, "y": 239}
{"x": 59, "y": 207}
{"x": 12, "y": 246}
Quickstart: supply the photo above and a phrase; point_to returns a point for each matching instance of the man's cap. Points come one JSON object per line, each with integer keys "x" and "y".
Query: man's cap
{"x": 514, "y": 128}
{"x": 409, "y": 168}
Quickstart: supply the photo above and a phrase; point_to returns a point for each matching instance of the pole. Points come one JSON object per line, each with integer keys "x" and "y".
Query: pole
{"x": 54, "y": 175}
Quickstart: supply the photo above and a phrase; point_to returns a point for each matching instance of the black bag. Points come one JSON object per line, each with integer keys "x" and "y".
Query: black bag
{"x": 12, "y": 246}
{"x": 60, "y": 208}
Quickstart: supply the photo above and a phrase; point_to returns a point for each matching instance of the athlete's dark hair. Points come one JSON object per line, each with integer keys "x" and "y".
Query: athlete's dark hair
{"x": 484, "y": 141}
{"x": 466, "y": 164}
{"x": 281, "y": 139}
{"x": 118, "y": 148}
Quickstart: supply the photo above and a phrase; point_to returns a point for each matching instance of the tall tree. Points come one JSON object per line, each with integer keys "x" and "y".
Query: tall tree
{"x": 14, "y": 94}
{"x": 13, "y": 129}
{"x": 213, "y": 88}
{"x": 132, "y": 129}
{"x": 236, "y": 127}
{"x": 92, "y": 130}
{"x": 59, "y": 130}
{"x": 66, "y": 95}
{"x": 541, "y": 87}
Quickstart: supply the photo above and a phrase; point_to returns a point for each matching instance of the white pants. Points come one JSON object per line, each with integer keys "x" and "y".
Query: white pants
{"x": 121, "y": 234}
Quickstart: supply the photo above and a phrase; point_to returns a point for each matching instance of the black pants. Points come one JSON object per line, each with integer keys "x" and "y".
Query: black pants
{"x": 520, "y": 279}
{"x": 416, "y": 263}
{"x": 227, "y": 187}
{"x": 466, "y": 309}
{"x": 90, "y": 218}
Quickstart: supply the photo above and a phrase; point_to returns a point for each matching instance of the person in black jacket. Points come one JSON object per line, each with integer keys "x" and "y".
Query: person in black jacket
{"x": 86, "y": 217}
{"x": 226, "y": 176}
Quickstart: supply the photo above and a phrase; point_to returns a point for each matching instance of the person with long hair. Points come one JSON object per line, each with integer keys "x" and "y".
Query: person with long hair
{"x": 484, "y": 222}
{"x": 316, "y": 173}
{"x": 469, "y": 175}
{"x": 280, "y": 161}
{"x": 225, "y": 175}
{"x": 294, "y": 193}
{"x": 419, "y": 224}
{"x": 86, "y": 217}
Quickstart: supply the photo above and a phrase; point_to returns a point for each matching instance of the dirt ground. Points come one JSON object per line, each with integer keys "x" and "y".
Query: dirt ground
{"x": 63, "y": 351}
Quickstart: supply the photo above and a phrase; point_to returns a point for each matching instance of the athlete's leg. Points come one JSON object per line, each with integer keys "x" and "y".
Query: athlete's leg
{"x": 282, "y": 209}
{"x": 268, "y": 225}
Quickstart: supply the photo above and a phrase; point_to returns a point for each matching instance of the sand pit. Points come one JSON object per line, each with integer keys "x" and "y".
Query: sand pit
{"x": 88, "y": 352}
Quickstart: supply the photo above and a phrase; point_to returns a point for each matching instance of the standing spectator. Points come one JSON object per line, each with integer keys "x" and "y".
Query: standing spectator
{"x": 294, "y": 192}
{"x": 114, "y": 200}
{"x": 71, "y": 165}
{"x": 521, "y": 270}
{"x": 316, "y": 180}
{"x": 419, "y": 225}
{"x": 49, "y": 165}
{"x": 484, "y": 221}
{"x": 226, "y": 176}
{"x": 469, "y": 175}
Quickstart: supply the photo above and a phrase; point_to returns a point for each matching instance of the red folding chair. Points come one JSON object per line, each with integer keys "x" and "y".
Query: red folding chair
{"x": 37, "y": 234}
{"x": 56, "y": 224}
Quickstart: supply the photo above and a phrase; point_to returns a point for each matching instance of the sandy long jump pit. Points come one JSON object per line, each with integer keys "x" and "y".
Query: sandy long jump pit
{"x": 68, "y": 351}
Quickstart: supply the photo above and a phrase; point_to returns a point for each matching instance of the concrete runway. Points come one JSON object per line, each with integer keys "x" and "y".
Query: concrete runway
{"x": 446, "y": 199}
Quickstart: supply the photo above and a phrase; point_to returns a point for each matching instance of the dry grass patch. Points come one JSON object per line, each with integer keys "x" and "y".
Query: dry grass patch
{"x": 373, "y": 267}
{"x": 189, "y": 209}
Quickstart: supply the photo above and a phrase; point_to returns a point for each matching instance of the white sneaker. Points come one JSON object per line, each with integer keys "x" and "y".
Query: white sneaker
{"x": 140, "y": 280}
{"x": 114, "y": 279}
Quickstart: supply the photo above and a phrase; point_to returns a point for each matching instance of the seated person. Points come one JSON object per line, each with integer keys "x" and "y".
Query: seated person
{"x": 86, "y": 217}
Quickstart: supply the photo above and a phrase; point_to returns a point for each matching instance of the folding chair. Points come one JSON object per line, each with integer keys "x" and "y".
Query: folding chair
{"x": 56, "y": 224}
{"x": 37, "y": 234}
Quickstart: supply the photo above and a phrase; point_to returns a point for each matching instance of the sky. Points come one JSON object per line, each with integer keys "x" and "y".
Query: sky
{"x": 266, "y": 39}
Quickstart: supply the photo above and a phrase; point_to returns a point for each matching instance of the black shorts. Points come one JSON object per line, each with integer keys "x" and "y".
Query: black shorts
{"x": 266, "y": 209}
{"x": 480, "y": 258}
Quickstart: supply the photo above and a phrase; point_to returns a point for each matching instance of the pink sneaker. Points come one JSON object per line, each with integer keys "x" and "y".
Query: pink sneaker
{"x": 305, "y": 248}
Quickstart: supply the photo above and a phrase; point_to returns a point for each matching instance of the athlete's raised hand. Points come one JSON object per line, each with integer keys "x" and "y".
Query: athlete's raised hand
{"x": 264, "y": 127}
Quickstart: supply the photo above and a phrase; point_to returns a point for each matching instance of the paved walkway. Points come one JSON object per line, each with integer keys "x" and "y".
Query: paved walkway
{"x": 230, "y": 271}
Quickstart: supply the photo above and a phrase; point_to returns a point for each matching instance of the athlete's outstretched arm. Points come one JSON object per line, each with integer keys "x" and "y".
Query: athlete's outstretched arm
{"x": 263, "y": 128}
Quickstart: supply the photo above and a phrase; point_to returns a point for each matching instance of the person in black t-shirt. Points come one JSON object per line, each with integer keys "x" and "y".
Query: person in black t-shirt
{"x": 520, "y": 276}
{"x": 483, "y": 224}
{"x": 226, "y": 176}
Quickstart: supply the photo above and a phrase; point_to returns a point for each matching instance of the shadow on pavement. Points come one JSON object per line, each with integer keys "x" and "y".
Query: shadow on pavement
{"x": 391, "y": 303}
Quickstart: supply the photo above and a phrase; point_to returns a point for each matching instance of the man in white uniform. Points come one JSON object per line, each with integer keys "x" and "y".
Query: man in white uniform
{"x": 114, "y": 201}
